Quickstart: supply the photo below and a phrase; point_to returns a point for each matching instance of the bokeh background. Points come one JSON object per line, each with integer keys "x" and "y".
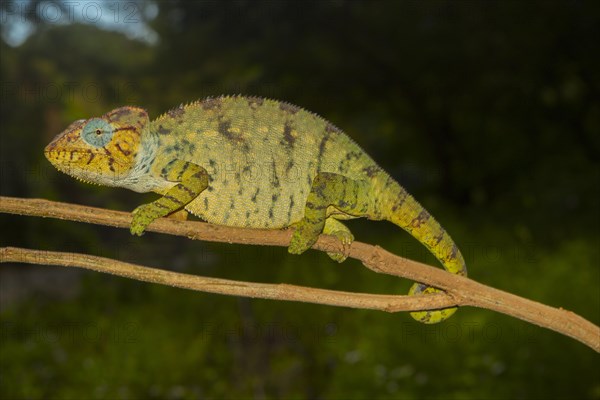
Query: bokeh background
{"x": 488, "y": 112}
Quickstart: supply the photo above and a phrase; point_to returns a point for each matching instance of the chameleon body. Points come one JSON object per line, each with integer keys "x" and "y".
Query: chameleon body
{"x": 248, "y": 162}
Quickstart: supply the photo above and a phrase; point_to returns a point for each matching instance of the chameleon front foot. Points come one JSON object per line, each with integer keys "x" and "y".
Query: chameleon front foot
{"x": 142, "y": 217}
{"x": 306, "y": 235}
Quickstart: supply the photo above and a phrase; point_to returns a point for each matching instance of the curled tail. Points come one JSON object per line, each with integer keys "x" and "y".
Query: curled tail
{"x": 403, "y": 210}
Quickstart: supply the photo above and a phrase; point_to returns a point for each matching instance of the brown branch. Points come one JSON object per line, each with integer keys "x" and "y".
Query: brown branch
{"x": 460, "y": 291}
{"x": 391, "y": 303}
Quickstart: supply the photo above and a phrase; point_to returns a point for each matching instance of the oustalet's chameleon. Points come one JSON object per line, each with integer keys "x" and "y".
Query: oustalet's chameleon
{"x": 248, "y": 162}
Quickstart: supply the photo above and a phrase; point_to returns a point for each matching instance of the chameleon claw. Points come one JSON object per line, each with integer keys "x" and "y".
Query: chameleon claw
{"x": 346, "y": 238}
{"x": 136, "y": 230}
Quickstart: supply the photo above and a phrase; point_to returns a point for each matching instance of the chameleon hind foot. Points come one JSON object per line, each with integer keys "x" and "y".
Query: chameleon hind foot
{"x": 329, "y": 189}
{"x": 431, "y": 316}
{"x": 305, "y": 235}
{"x": 335, "y": 228}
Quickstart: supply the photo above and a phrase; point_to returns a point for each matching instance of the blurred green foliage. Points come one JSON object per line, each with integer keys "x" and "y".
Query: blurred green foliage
{"x": 489, "y": 112}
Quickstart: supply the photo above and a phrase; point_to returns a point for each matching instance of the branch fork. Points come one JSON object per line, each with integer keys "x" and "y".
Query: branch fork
{"x": 459, "y": 290}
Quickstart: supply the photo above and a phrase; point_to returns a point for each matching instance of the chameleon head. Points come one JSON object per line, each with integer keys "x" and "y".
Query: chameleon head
{"x": 99, "y": 150}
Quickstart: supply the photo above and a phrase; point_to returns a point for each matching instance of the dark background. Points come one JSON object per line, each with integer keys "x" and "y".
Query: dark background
{"x": 488, "y": 112}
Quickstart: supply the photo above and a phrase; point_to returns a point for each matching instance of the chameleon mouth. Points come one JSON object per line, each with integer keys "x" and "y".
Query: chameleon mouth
{"x": 65, "y": 162}
{"x": 60, "y": 157}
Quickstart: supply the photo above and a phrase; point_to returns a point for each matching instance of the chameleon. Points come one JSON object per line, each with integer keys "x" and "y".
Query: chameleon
{"x": 249, "y": 162}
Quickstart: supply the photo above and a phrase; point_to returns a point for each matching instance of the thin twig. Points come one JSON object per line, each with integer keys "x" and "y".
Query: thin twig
{"x": 281, "y": 291}
{"x": 460, "y": 291}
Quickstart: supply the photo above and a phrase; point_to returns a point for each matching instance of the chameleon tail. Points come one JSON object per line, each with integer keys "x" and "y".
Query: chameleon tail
{"x": 404, "y": 211}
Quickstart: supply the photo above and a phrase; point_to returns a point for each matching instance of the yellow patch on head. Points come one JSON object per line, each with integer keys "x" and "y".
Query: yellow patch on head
{"x": 99, "y": 150}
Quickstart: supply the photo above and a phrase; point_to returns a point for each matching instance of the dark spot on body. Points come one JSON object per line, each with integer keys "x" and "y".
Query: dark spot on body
{"x": 92, "y": 155}
{"x": 421, "y": 219}
{"x": 174, "y": 148}
{"x": 187, "y": 145}
{"x": 343, "y": 204}
{"x": 185, "y": 167}
{"x": 159, "y": 205}
{"x": 288, "y": 138}
{"x": 329, "y": 127}
{"x": 111, "y": 161}
{"x": 192, "y": 194}
{"x": 253, "y": 199}
{"x": 124, "y": 128}
{"x": 322, "y": 149}
{"x": 439, "y": 238}
{"x": 289, "y": 108}
{"x": 291, "y": 204}
{"x": 400, "y": 201}
{"x": 163, "y": 131}
{"x": 211, "y": 103}
{"x": 173, "y": 199}
{"x": 353, "y": 154}
{"x": 453, "y": 252}
{"x": 255, "y": 102}
{"x": 275, "y": 177}
{"x": 118, "y": 113}
{"x": 176, "y": 112}
{"x": 288, "y": 167}
{"x": 371, "y": 170}
{"x": 225, "y": 130}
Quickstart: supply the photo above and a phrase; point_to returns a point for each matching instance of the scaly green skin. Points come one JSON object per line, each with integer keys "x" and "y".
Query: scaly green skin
{"x": 248, "y": 162}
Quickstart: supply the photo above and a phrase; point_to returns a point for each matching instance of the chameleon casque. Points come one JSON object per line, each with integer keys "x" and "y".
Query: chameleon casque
{"x": 249, "y": 162}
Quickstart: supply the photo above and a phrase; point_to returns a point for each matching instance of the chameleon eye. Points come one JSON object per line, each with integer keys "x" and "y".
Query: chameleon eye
{"x": 97, "y": 132}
